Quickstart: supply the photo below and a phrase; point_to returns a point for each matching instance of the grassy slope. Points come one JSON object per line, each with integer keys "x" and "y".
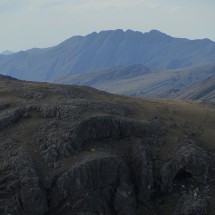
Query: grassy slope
{"x": 177, "y": 112}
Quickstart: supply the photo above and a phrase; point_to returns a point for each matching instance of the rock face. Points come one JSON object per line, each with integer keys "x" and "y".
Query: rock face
{"x": 189, "y": 159}
{"x": 192, "y": 205}
{"x": 3, "y": 105}
{"x": 74, "y": 108}
{"x": 21, "y": 192}
{"x": 11, "y": 117}
{"x": 101, "y": 178}
{"x": 143, "y": 171}
{"x": 107, "y": 127}
{"x": 71, "y": 150}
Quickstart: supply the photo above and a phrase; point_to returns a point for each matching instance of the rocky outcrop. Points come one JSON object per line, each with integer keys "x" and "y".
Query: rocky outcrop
{"x": 193, "y": 204}
{"x": 11, "y": 117}
{"x": 99, "y": 127}
{"x": 20, "y": 190}
{"x": 3, "y": 105}
{"x": 190, "y": 160}
{"x": 142, "y": 166}
{"x": 85, "y": 132}
{"x": 100, "y": 178}
{"x": 34, "y": 94}
{"x": 75, "y": 108}
{"x": 105, "y": 107}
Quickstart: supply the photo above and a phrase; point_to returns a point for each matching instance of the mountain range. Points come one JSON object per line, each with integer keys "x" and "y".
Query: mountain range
{"x": 81, "y": 54}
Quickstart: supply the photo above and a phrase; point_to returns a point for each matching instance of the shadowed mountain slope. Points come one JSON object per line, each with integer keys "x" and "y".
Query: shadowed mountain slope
{"x": 80, "y": 54}
{"x": 76, "y": 150}
{"x": 204, "y": 90}
{"x": 138, "y": 80}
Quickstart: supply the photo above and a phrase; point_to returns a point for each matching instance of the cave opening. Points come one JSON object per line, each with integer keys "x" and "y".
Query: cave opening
{"x": 183, "y": 178}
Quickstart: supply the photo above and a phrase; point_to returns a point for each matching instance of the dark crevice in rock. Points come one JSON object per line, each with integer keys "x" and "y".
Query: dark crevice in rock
{"x": 191, "y": 159}
{"x": 183, "y": 177}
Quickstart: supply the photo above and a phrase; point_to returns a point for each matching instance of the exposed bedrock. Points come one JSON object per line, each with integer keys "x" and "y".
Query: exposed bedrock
{"x": 105, "y": 107}
{"x": 10, "y": 117}
{"x": 20, "y": 190}
{"x": 34, "y": 94}
{"x": 189, "y": 160}
{"x": 73, "y": 108}
{"x": 142, "y": 168}
{"x": 99, "y": 184}
{"x": 99, "y": 127}
{"x": 3, "y": 105}
{"x": 87, "y": 131}
{"x": 191, "y": 204}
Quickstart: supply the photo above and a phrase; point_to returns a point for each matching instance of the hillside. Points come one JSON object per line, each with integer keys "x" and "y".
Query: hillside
{"x": 80, "y": 54}
{"x": 76, "y": 150}
{"x": 203, "y": 90}
{"x": 138, "y": 80}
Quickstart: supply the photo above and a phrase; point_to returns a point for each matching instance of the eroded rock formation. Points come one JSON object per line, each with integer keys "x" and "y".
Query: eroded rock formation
{"x": 66, "y": 150}
{"x": 188, "y": 159}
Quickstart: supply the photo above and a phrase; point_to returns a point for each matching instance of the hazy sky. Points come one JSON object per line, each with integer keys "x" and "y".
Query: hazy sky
{"x": 42, "y": 23}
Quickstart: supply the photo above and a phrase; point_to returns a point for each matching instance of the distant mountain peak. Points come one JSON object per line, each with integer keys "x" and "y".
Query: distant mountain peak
{"x": 7, "y": 52}
{"x": 158, "y": 33}
{"x": 106, "y": 32}
{"x": 155, "y": 31}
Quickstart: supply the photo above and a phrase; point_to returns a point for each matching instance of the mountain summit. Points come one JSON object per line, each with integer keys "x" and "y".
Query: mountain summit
{"x": 81, "y": 54}
{"x": 7, "y": 52}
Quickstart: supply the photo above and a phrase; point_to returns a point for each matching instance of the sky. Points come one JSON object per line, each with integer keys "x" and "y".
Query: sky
{"x": 26, "y": 24}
